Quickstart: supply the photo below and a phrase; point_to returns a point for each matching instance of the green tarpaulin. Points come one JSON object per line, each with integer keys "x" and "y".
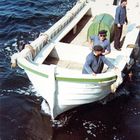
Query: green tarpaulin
{"x": 102, "y": 22}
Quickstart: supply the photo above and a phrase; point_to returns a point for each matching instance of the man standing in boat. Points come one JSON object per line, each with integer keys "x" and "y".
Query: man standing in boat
{"x": 101, "y": 39}
{"x": 120, "y": 20}
{"x": 94, "y": 61}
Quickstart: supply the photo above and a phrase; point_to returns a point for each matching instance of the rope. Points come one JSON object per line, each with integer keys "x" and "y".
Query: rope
{"x": 31, "y": 49}
{"x": 30, "y": 55}
{"x": 47, "y": 36}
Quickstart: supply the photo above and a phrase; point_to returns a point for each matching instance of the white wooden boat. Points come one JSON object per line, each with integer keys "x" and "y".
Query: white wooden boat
{"x": 53, "y": 62}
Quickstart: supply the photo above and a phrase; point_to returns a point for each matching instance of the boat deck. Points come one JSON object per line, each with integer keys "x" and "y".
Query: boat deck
{"x": 78, "y": 35}
{"x": 63, "y": 63}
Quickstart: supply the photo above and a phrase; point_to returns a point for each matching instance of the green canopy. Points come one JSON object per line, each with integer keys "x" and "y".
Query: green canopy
{"x": 102, "y": 22}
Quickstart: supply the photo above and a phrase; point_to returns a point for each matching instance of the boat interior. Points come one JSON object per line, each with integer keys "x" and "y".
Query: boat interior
{"x": 69, "y": 52}
{"x": 66, "y": 53}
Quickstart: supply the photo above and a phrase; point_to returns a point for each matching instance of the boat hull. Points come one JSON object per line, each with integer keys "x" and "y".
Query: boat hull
{"x": 64, "y": 93}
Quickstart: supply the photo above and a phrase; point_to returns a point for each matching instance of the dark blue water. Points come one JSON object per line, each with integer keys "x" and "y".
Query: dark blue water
{"x": 22, "y": 112}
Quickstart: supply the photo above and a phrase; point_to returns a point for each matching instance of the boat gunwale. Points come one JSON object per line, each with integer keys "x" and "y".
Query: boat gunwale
{"x": 32, "y": 67}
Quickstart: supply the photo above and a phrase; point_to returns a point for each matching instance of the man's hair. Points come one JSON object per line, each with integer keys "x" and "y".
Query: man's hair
{"x": 123, "y": 1}
{"x": 103, "y": 32}
{"x": 98, "y": 48}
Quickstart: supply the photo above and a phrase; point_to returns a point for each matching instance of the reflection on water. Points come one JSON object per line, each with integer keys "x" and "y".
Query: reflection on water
{"x": 21, "y": 118}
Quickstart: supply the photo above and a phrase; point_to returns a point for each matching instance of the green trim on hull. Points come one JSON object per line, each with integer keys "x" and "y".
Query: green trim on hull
{"x": 32, "y": 70}
{"x": 85, "y": 79}
{"x": 66, "y": 78}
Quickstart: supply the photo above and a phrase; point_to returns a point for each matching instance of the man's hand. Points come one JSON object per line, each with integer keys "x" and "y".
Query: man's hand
{"x": 116, "y": 69}
{"x": 94, "y": 74}
{"x": 119, "y": 25}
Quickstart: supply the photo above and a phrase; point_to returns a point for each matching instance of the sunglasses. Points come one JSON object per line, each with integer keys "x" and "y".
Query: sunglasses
{"x": 102, "y": 35}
